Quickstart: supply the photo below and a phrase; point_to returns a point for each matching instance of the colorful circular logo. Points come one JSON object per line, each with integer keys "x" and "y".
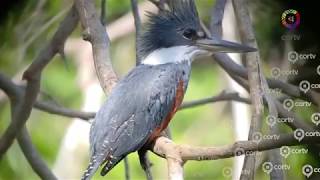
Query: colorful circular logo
{"x": 290, "y": 19}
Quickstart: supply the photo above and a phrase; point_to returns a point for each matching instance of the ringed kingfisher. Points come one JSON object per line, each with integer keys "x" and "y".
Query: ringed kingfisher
{"x": 142, "y": 104}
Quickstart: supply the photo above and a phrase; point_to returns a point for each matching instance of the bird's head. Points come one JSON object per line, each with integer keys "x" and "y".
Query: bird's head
{"x": 176, "y": 35}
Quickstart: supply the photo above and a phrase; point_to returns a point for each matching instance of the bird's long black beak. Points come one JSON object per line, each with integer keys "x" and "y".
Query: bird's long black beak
{"x": 219, "y": 45}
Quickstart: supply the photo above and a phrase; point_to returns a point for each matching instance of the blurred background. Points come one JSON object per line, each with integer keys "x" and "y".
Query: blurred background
{"x": 26, "y": 26}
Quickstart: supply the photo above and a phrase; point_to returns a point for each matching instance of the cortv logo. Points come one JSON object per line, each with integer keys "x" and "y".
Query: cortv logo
{"x": 290, "y": 19}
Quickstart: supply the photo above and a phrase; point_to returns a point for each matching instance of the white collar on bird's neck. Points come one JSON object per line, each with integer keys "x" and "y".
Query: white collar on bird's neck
{"x": 175, "y": 54}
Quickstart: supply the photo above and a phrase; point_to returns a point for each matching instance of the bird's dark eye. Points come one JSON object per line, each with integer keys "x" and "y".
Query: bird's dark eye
{"x": 189, "y": 34}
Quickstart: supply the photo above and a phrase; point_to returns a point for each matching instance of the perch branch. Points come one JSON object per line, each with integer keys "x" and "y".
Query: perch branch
{"x": 164, "y": 146}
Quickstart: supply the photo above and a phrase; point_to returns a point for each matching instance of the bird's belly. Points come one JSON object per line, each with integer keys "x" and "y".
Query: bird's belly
{"x": 165, "y": 122}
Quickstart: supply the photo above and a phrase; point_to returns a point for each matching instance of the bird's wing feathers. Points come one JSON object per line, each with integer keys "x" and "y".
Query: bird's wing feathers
{"x": 136, "y": 106}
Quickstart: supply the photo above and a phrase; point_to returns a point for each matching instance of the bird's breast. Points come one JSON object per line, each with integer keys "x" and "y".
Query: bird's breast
{"x": 176, "y": 104}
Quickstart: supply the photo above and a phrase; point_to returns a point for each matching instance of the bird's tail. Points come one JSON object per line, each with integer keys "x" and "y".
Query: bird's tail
{"x": 95, "y": 163}
{"x": 110, "y": 163}
{"x": 91, "y": 169}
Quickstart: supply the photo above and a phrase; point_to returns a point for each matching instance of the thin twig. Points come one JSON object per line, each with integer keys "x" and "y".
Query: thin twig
{"x": 223, "y": 96}
{"x": 127, "y": 168}
{"x": 103, "y": 18}
{"x": 33, "y": 157}
{"x": 63, "y": 111}
{"x": 145, "y": 163}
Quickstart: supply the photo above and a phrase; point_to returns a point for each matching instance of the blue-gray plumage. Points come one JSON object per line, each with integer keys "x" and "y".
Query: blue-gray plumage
{"x": 137, "y": 105}
{"x": 144, "y": 101}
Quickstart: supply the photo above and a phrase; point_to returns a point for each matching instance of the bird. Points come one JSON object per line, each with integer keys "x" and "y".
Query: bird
{"x": 144, "y": 101}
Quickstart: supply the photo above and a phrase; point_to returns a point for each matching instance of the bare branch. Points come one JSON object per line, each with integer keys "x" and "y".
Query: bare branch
{"x": 58, "y": 110}
{"x": 137, "y": 24}
{"x": 237, "y": 72}
{"x": 127, "y": 168}
{"x": 254, "y": 79}
{"x": 14, "y": 90}
{"x": 33, "y": 76}
{"x": 274, "y": 154}
{"x": 33, "y": 157}
{"x": 98, "y": 37}
{"x": 233, "y": 68}
{"x": 103, "y": 17}
{"x": 216, "y": 22}
{"x": 164, "y": 146}
{"x": 29, "y": 151}
{"x": 145, "y": 163}
{"x": 223, "y": 96}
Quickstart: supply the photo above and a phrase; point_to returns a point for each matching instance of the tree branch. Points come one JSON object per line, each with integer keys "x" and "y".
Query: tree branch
{"x": 238, "y": 72}
{"x": 33, "y": 157}
{"x": 103, "y": 17}
{"x": 254, "y": 79}
{"x": 33, "y": 76}
{"x": 137, "y": 24}
{"x": 223, "y": 96}
{"x": 216, "y": 21}
{"x": 96, "y": 34}
{"x": 29, "y": 151}
{"x": 164, "y": 146}
{"x": 233, "y": 68}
